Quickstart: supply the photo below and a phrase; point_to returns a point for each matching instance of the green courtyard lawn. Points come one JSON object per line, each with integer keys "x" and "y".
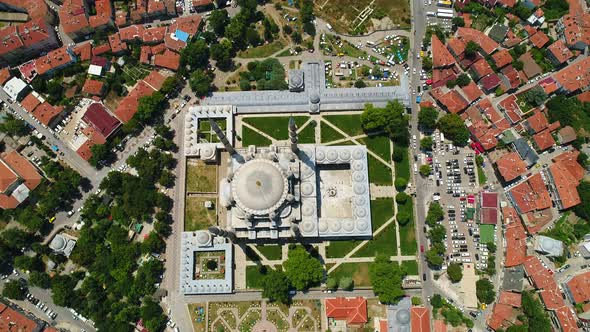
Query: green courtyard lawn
{"x": 253, "y": 277}
{"x": 407, "y": 233}
{"x": 358, "y": 271}
{"x": 307, "y": 134}
{"x": 197, "y": 216}
{"x": 379, "y": 173}
{"x": 339, "y": 249}
{"x": 200, "y": 177}
{"x": 380, "y": 145}
{"x": 276, "y": 127}
{"x": 263, "y": 51}
{"x": 251, "y": 137}
{"x": 329, "y": 134}
{"x": 411, "y": 267}
{"x": 350, "y": 123}
{"x": 271, "y": 252}
{"x": 382, "y": 209}
{"x": 402, "y": 169}
{"x": 383, "y": 243}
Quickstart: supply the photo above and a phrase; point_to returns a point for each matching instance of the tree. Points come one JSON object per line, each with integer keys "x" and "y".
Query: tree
{"x": 346, "y": 283}
{"x": 426, "y": 143}
{"x": 40, "y": 279}
{"x": 287, "y": 29}
{"x": 222, "y": 53}
{"x": 166, "y": 179}
{"x": 403, "y": 218}
{"x": 517, "y": 64}
{"x": 61, "y": 289}
{"x": 302, "y": 269}
{"x": 425, "y": 170}
{"x": 152, "y": 315}
{"x": 454, "y": 129}
{"x": 458, "y": 21}
{"x": 400, "y": 183}
{"x": 332, "y": 283}
{"x": 359, "y": 84}
{"x": 276, "y": 286}
{"x": 14, "y": 290}
{"x": 100, "y": 152}
{"x": 436, "y": 301}
{"x": 536, "y": 96}
{"x": 296, "y": 37}
{"x": 537, "y": 318}
{"x": 471, "y": 48}
{"x": 463, "y": 80}
{"x": 455, "y": 272}
{"x": 195, "y": 55}
{"x": 386, "y": 279}
{"x": 399, "y": 153}
{"x": 392, "y": 119}
{"x": 200, "y": 82}
{"x": 427, "y": 63}
{"x": 484, "y": 290}
{"x": 433, "y": 259}
{"x": 427, "y": 118}
{"x": 218, "y": 20}
{"x": 153, "y": 244}
{"x": 491, "y": 247}
{"x": 28, "y": 263}
{"x": 583, "y": 210}
{"x": 401, "y": 197}
{"x": 13, "y": 126}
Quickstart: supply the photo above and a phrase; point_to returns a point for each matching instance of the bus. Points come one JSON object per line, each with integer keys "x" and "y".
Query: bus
{"x": 444, "y": 15}
{"x": 445, "y": 3}
{"x": 443, "y": 10}
{"x": 430, "y": 14}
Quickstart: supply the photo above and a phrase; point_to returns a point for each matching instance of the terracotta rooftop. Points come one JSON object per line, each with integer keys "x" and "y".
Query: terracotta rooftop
{"x": 72, "y": 16}
{"x": 11, "y": 320}
{"x": 530, "y": 30}
{"x": 566, "y": 182}
{"x": 155, "y": 80}
{"x": 101, "y": 120}
{"x": 510, "y": 298}
{"x": 46, "y": 112}
{"x": 502, "y": 317}
{"x": 576, "y": 28}
{"x": 128, "y": 105}
{"x": 515, "y": 244}
{"x": 502, "y": 58}
{"x": 541, "y": 277}
{"x": 189, "y": 24}
{"x": 83, "y": 51}
{"x": 539, "y": 39}
{"x": 441, "y": 57}
{"x": 28, "y": 34}
{"x": 4, "y": 75}
{"x": 169, "y": 60}
{"x": 584, "y": 96}
{"x": 131, "y": 32}
{"x": 420, "y": 319}
{"x": 104, "y": 14}
{"x": 531, "y": 195}
{"x": 490, "y": 82}
{"x": 101, "y": 49}
{"x": 575, "y": 76}
{"x": 353, "y": 310}
{"x": 154, "y": 35}
{"x": 511, "y": 39}
{"x": 456, "y": 46}
{"x": 93, "y": 87}
{"x": 551, "y": 297}
{"x": 567, "y": 320}
{"x": 579, "y": 287}
{"x": 116, "y": 44}
{"x": 481, "y": 68}
{"x": 544, "y": 140}
{"x": 510, "y": 166}
{"x": 469, "y": 34}
{"x": 35, "y": 8}
{"x": 30, "y": 102}
{"x": 510, "y": 106}
{"x": 84, "y": 151}
{"x": 472, "y": 92}
{"x": 560, "y": 51}
{"x": 452, "y": 100}
{"x": 537, "y": 122}
{"x": 54, "y": 59}
{"x": 507, "y": 3}
{"x": 512, "y": 77}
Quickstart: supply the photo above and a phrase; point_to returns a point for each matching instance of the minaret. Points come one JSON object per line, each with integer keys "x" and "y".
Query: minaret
{"x": 293, "y": 135}
{"x": 222, "y": 137}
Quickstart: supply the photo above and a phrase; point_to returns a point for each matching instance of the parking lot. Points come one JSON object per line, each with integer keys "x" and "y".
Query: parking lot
{"x": 454, "y": 175}
{"x": 432, "y": 18}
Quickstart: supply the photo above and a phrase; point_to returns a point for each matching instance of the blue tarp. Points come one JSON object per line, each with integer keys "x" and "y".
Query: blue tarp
{"x": 181, "y": 35}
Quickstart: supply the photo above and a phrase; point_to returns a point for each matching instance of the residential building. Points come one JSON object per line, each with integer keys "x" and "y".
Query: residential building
{"x": 525, "y": 151}
{"x": 18, "y": 177}
{"x": 104, "y": 15}
{"x": 574, "y": 29}
{"x": 566, "y": 135}
{"x": 441, "y": 57}
{"x": 351, "y": 310}
{"x": 498, "y": 32}
{"x": 558, "y": 53}
{"x": 146, "y": 87}
{"x": 502, "y": 58}
{"x": 480, "y": 68}
{"x": 578, "y": 288}
{"x": 539, "y": 39}
{"x": 181, "y": 31}
{"x": 543, "y": 140}
{"x": 16, "y": 89}
{"x": 487, "y": 44}
{"x": 575, "y": 77}
{"x": 452, "y": 101}
{"x": 515, "y": 236}
{"x": 26, "y": 41}
{"x": 536, "y": 123}
{"x": 169, "y": 60}
{"x": 93, "y": 87}
{"x": 54, "y": 60}
{"x": 510, "y": 166}
{"x": 530, "y": 68}
{"x": 12, "y": 320}
{"x": 36, "y": 9}
{"x": 565, "y": 174}
{"x": 73, "y": 17}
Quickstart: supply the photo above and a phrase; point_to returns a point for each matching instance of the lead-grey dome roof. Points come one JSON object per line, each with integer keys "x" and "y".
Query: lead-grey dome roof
{"x": 403, "y": 316}
{"x": 259, "y": 186}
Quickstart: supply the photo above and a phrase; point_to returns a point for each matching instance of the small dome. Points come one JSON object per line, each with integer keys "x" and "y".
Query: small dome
{"x": 203, "y": 237}
{"x": 314, "y": 98}
{"x": 360, "y": 212}
{"x": 314, "y": 107}
{"x": 348, "y": 225}
{"x": 320, "y": 155}
{"x": 308, "y": 210}
{"x": 403, "y": 316}
{"x": 58, "y": 243}
{"x": 308, "y": 226}
{"x": 335, "y": 226}
{"x": 296, "y": 80}
{"x": 344, "y": 155}
{"x": 332, "y": 155}
{"x": 358, "y": 176}
{"x": 360, "y": 200}
{"x": 357, "y": 154}
{"x": 357, "y": 166}
{"x": 306, "y": 188}
{"x": 362, "y": 225}
{"x": 359, "y": 188}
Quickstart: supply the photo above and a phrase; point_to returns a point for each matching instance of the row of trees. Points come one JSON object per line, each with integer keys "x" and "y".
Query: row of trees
{"x": 392, "y": 119}
{"x": 437, "y": 234}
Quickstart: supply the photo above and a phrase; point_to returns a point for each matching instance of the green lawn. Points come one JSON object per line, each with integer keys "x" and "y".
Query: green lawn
{"x": 379, "y": 173}
{"x": 307, "y": 134}
{"x": 197, "y": 216}
{"x": 276, "y": 127}
{"x": 381, "y": 210}
{"x": 407, "y": 233}
{"x": 329, "y": 134}
{"x": 486, "y": 233}
{"x": 250, "y": 137}
{"x": 358, "y": 271}
{"x": 378, "y": 145}
{"x": 350, "y": 124}
{"x": 411, "y": 267}
{"x": 253, "y": 277}
{"x": 481, "y": 175}
{"x": 271, "y": 252}
{"x": 262, "y": 51}
{"x": 383, "y": 243}
{"x": 402, "y": 169}
{"x": 338, "y": 249}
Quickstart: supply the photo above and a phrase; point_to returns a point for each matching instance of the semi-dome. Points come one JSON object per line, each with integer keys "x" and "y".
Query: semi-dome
{"x": 259, "y": 186}
{"x": 314, "y": 98}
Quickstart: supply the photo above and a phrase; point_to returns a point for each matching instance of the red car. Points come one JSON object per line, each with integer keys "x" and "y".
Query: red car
{"x": 421, "y": 248}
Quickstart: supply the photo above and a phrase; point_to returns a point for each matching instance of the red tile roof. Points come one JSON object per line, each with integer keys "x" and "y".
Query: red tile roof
{"x": 155, "y": 80}
{"x": 23, "y": 168}
{"x": 154, "y": 35}
{"x": 4, "y": 75}
{"x": 584, "y": 96}
{"x": 540, "y": 276}
{"x": 169, "y": 60}
{"x": 30, "y": 102}
{"x": 575, "y": 76}
{"x": 502, "y": 58}
{"x": 145, "y": 54}
{"x": 72, "y": 17}
{"x": 93, "y": 87}
{"x": 511, "y": 39}
{"x": 128, "y": 106}
{"x": 576, "y": 28}
{"x": 55, "y": 59}
{"x": 131, "y": 32}
{"x": 84, "y": 151}
{"x": 567, "y": 319}
{"x": 537, "y": 122}
{"x": 83, "y": 51}
{"x": 531, "y": 195}
{"x": 510, "y": 106}
{"x": 560, "y": 51}
{"x": 510, "y": 166}
{"x": 512, "y": 77}
{"x": 116, "y": 44}
{"x": 579, "y": 287}
{"x": 565, "y": 184}
{"x": 420, "y": 319}
{"x": 515, "y": 243}
{"x": 481, "y": 68}
{"x": 511, "y": 299}
{"x": 502, "y": 316}
{"x": 7, "y": 177}
{"x": 539, "y": 39}
{"x": 104, "y": 14}
{"x": 530, "y": 30}
{"x": 189, "y": 24}
{"x": 101, "y": 49}
{"x": 353, "y": 310}
{"x": 456, "y": 46}
{"x": 101, "y": 120}
{"x": 544, "y": 140}
{"x": 452, "y": 100}
{"x": 11, "y": 320}
{"x": 487, "y": 44}
{"x": 472, "y": 92}
{"x": 441, "y": 57}
{"x": 551, "y": 297}
{"x": 507, "y": 3}
{"x": 46, "y": 112}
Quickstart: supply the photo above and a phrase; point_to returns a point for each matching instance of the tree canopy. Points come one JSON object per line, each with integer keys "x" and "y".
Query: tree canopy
{"x": 302, "y": 269}
{"x": 195, "y": 55}
{"x": 454, "y": 129}
{"x": 200, "y": 82}
{"x": 218, "y": 20}
{"x": 13, "y": 289}
{"x": 485, "y": 292}
{"x": 455, "y": 272}
{"x": 275, "y": 286}
{"x": 427, "y": 118}
{"x": 392, "y": 119}
{"x": 386, "y": 279}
